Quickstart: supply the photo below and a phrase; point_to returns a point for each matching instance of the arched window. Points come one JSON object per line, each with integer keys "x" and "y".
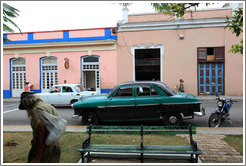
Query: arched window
{"x": 18, "y": 76}
{"x": 48, "y": 73}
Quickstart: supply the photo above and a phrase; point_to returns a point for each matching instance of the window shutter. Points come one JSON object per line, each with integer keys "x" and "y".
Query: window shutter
{"x": 219, "y": 53}
{"x": 202, "y": 54}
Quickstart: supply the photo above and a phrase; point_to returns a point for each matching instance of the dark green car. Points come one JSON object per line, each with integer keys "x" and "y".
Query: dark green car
{"x": 137, "y": 101}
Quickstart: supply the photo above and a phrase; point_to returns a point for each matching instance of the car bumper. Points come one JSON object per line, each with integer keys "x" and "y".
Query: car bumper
{"x": 201, "y": 113}
{"x": 75, "y": 116}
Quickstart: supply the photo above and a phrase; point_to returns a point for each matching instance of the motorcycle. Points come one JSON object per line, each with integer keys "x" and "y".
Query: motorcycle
{"x": 222, "y": 111}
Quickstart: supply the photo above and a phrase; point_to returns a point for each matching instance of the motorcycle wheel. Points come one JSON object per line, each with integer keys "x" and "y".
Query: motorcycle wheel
{"x": 214, "y": 120}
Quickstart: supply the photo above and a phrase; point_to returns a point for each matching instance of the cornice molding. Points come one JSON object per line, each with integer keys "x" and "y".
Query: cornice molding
{"x": 173, "y": 24}
{"x": 60, "y": 44}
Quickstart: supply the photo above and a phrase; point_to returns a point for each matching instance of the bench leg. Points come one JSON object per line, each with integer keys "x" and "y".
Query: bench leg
{"x": 196, "y": 158}
{"x": 82, "y": 157}
{"x": 88, "y": 157}
{"x": 141, "y": 157}
{"x": 191, "y": 158}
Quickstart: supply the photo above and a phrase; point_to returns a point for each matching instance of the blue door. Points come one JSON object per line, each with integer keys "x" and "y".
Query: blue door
{"x": 211, "y": 78}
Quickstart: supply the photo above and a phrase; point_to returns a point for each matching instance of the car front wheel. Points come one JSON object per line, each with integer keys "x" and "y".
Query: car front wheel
{"x": 172, "y": 119}
{"x": 89, "y": 118}
{"x": 73, "y": 101}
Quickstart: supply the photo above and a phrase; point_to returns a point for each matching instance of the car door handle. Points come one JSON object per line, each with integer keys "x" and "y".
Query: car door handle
{"x": 157, "y": 98}
{"x": 131, "y": 100}
{"x": 77, "y": 95}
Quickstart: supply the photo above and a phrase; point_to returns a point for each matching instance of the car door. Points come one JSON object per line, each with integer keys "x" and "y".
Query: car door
{"x": 147, "y": 102}
{"x": 67, "y": 95}
{"x": 53, "y": 97}
{"x": 121, "y": 104}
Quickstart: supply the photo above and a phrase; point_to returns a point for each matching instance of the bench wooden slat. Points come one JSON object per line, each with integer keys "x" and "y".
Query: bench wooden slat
{"x": 137, "y": 149}
{"x": 146, "y": 130}
{"x": 146, "y": 147}
{"x": 144, "y": 127}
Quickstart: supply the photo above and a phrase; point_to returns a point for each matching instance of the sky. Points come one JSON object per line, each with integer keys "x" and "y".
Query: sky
{"x": 64, "y": 15}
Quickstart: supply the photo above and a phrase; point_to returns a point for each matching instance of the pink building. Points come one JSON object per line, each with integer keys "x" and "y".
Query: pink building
{"x": 146, "y": 47}
{"x": 40, "y": 57}
{"x": 194, "y": 48}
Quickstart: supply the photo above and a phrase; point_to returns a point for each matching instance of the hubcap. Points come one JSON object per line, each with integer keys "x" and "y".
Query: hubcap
{"x": 90, "y": 118}
{"x": 173, "y": 119}
{"x": 215, "y": 121}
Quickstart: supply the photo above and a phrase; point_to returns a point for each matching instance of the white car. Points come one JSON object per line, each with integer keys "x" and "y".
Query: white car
{"x": 65, "y": 94}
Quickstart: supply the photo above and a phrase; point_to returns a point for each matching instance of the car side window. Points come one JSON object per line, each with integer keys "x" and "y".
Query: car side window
{"x": 55, "y": 90}
{"x": 67, "y": 89}
{"x": 146, "y": 91}
{"x": 153, "y": 92}
{"x": 124, "y": 92}
{"x": 79, "y": 88}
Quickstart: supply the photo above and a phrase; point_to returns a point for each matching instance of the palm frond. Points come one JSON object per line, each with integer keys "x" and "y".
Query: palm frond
{"x": 9, "y": 12}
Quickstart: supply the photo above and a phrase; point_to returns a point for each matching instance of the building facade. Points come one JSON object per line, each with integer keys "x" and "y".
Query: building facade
{"x": 83, "y": 56}
{"x": 193, "y": 48}
{"x": 144, "y": 47}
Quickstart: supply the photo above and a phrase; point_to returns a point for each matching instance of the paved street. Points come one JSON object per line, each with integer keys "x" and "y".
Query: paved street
{"x": 13, "y": 116}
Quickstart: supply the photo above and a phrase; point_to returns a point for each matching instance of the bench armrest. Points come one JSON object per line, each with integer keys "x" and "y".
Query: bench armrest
{"x": 87, "y": 141}
{"x": 192, "y": 142}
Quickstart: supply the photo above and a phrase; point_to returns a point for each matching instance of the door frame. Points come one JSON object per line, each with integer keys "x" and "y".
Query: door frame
{"x": 146, "y": 46}
{"x": 97, "y": 71}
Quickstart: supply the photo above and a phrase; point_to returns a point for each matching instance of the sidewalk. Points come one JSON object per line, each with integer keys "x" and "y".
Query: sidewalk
{"x": 215, "y": 149}
{"x": 213, "y": 97}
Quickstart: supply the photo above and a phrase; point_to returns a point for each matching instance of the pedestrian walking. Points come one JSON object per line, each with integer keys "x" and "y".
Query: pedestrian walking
{"x": 40, "y": 152}
{"x": 181, "y": 85}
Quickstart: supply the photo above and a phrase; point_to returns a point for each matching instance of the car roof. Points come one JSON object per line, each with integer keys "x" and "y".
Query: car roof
{"x": 142, "y": 82}
{"x": 159, "y": 84}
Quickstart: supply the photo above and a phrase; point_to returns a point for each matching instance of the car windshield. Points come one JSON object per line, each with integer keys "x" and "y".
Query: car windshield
{"x": 111, "y": 91}
{"x": 171, "y": 91}
{"x": 79, "y": 88}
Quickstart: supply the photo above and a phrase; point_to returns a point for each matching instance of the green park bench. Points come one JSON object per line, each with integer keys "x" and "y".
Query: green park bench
{"x": 190, "y": 150}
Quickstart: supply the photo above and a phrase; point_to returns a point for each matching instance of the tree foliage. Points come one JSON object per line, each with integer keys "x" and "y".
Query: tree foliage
{"x": 235, "y": 24}
{"x": 177, "y": 9}
{"x": 9, "y": 12}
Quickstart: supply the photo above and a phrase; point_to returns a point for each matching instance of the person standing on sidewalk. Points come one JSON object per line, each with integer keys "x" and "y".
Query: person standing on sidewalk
{"x": 26, "y": 87}
{"x": 39, "y": 152}
{"x": 30, "y": 85}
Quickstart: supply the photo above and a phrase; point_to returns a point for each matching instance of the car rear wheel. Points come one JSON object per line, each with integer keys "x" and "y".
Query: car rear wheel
{"x": 172, "y": 119}
{"x": 89, "y": 118}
